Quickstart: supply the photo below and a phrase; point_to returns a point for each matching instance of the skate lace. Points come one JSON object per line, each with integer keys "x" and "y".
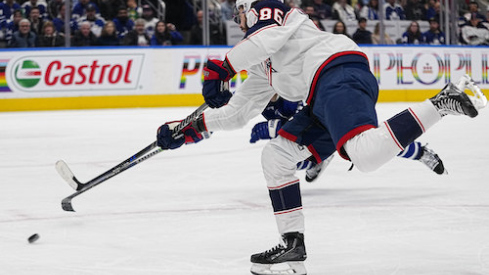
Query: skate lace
{"x": 429, "y": 158}
{"x": 450, "y": 105}
{"x": 274, "y": 249}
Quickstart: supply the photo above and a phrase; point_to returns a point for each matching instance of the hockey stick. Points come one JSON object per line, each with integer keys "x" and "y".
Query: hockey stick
{"x": 65, "y": 172}
{"x": 146, "y": 153}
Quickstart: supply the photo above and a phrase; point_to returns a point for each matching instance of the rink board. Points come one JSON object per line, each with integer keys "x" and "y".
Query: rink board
{"x": 127, "y": 77}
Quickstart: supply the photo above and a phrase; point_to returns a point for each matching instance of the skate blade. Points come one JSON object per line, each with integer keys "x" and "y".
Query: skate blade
{"x": 477, "y": 97}
{"x": 287, "y": 268}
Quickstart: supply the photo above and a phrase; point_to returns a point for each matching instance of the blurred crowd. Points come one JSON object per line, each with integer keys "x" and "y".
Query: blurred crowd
{"x": 473, "y": 27}
{"x": 41, "y": 23}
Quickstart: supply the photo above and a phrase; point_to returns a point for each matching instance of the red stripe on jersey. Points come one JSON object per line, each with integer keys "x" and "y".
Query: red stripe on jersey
{"x": 349, "y": 135}
{"x": 314, "y": 153}
{"x": 287, "y": 15}
{"x": 393, "y": 136}
{"x": 287, "y": 135}
{"x": 284, "y": 185}
{"x": 244, "y": 40}
{"x": 318, "y": 72}
{"x": 417, "y": 120}
{"x": 288, "y": 211}
{"x": 254, "y": 11}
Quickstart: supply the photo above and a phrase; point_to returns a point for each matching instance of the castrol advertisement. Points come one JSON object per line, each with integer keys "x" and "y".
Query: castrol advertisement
{"x": 76, "y": 73}
{"x": 66, "y": 73}
{"x": 173, "y": 75}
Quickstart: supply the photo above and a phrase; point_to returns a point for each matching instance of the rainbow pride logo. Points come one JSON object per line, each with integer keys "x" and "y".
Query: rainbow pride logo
{"x": 3, "y": 80}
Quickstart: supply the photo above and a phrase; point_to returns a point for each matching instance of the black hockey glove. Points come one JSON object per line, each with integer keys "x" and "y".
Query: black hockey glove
{"x": 189, "y": 134}
{"x": 216, "y": 73}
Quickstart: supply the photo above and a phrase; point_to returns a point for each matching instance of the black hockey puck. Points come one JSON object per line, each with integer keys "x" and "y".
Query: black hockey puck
{"x": 33, "y": 238}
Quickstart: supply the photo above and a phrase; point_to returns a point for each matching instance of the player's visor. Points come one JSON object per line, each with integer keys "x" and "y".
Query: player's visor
{"x": 236, "y": 16}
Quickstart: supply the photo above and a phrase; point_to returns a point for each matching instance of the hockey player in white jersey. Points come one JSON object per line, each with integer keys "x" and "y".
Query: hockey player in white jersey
{"x": 279, "y": 111}
{"x": 285, "y": 53}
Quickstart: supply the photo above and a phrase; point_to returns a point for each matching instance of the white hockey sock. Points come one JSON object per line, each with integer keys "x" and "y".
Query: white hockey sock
{"x": 426, "y": 113}
{"x": 375, "y": 147}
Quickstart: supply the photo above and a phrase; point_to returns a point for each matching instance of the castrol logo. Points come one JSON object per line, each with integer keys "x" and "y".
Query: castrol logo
{"x": 75, "y": 73}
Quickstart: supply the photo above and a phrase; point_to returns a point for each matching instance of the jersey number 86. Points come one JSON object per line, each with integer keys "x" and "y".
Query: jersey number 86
{"x": 266, "y": 14}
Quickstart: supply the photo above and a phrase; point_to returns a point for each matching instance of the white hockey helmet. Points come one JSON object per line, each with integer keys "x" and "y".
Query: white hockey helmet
{"x": 246, "y": 5}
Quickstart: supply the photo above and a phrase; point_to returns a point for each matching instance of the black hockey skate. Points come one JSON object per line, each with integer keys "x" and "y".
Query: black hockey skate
{"x": 432, "y": 160}
{"x": 451, "y": 100}
{"x": 317, "y": 169}
{"x": 314, "y": 172}
{"x": 286, "y": 258}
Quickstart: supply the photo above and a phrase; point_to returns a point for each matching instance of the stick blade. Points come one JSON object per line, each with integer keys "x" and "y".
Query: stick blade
{"x": 65, "y": 172}
{"x": 66, "y": 204}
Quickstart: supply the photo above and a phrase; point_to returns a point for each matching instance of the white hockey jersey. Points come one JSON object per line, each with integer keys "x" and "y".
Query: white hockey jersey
{"x": 282, "y": 53}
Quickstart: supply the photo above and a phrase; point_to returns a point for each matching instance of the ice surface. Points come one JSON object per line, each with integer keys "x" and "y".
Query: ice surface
{"x": 204, "y": 209}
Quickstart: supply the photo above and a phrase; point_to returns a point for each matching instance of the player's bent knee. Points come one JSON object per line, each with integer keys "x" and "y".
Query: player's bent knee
{"x": 275, "y": 161}
{"x": 279, "y": 159}
{"x": 371, "y": 149}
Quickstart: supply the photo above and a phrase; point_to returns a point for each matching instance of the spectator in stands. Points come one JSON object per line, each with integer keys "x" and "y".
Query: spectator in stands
{"x": 362, "y": 35}
{"x": 474, "y": 32}
{"x": 122, "y": 22}
{"x": 323, "y": 10}
{"x": 84, "y": 37}
{"x": 108, "y": 36}
{"x": 412, "y": 35}
{"x": 434, "y": 36}
{"x": 27, "y": 6}
{"x": 109, "y": 8}
{"x": 133, "y": 10}
{"x": 166, "y": 35}
{"x": 181, "y": 14}
{"x": 415, "y": 10}
{"x": 7, "y": 8}
{"x": 96, "y": 21}
{"x": 340, "y": 28}
{"x": 343, "y": 12}
{"x": 36, "y": 21}
{"x": 59, "y": 22}
{"x": 149, "y": 20}
{"x": 53, "y": 8}
{"x": 12, "y": 25}
{"x": 393, "y": 11}
{"x": 227, "y": 9}
{"x": 24, "y": 37}
{"x": 216, "y": 37}
{"x": 376, "y": 36}
{"x": 290, "y": 3}
{"x": 137, "y": 37}
{"x": 474, "y": 8}
{"x": 317, "y": 22}
{"x": 80, "y": 9}
{"x": 309, "y": 10}
{"x": 370, "y": 11}
{"x": 49, "y": 36}
{"x": 433, "y": 10}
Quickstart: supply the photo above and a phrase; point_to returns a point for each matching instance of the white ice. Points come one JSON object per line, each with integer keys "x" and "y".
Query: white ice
{"x": 204, "y": 208}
